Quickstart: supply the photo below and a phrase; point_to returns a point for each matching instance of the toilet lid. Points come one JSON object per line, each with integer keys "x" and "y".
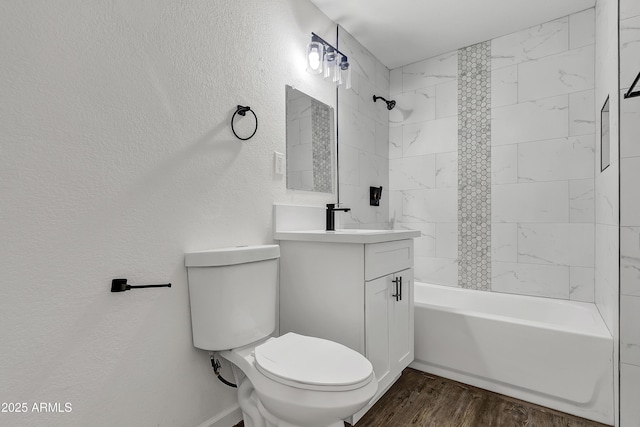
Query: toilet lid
{"x": 312, "y": 363}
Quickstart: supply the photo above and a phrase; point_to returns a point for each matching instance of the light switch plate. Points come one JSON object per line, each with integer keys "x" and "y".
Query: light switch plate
{"x": 278, "y": 163}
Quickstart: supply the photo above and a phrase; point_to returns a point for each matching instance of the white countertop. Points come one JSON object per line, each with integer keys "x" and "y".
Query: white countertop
{"x": 347, "y": 236}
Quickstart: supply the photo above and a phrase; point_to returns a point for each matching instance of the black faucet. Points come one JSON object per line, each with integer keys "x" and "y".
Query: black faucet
{"x": 331, "y": 217}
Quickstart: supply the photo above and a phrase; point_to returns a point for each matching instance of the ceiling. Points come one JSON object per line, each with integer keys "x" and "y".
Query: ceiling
{"x": 399, "y": 32}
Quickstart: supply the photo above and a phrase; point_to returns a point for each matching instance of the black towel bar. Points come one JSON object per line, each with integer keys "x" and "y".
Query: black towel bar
{"x": 120, "y": 285}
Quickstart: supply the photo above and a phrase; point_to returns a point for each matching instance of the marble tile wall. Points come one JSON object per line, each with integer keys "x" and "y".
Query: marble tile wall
{"x": 474, "y": 167}
{"x": 363, "y": 138}
{"x": 423, "y": 163}
{"x": 321, "y": 120}
{"x": 629, "y": 215}
{"x": 607, "y": 202}
{"x": 542, "y": 156}
{"x": 543, "y": 152}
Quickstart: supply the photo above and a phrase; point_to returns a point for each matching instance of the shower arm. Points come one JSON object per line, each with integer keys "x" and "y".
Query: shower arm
{"x": 390, "y": 104}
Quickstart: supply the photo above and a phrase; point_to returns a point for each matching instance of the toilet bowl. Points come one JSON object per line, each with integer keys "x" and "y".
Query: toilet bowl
{"x": 289, "y": 381}
{"x": 301, "y": 381}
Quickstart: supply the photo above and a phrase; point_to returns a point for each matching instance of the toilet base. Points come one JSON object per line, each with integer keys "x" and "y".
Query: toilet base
{"x": 268, "y": 403}
{"x": 254, "y": 414}
{"x": 274, "y": 422}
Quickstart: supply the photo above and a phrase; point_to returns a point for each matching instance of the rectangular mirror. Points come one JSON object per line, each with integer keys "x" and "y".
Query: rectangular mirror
{"x": 310, "y": 143}
{"x": 605, "y": 148}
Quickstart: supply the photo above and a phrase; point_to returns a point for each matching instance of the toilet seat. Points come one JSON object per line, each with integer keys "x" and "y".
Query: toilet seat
{"x": 312, "y": 363}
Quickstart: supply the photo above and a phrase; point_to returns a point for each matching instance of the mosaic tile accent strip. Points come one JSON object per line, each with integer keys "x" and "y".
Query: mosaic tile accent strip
{"x": 474, "y": 167}
{"x": 321, "y": 139}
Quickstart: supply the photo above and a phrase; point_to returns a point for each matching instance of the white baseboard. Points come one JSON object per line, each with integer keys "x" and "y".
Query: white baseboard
{"x": 226, "y": 418}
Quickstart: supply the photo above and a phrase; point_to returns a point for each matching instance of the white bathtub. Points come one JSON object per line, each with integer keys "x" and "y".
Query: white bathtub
{"x": 551, "y": 352}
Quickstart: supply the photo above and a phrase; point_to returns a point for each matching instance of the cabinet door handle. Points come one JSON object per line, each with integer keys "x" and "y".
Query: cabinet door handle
{"x": 398, "y": 294}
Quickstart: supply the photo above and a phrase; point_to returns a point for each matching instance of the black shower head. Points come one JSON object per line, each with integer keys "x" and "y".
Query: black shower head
{"x": 390, "y": 104}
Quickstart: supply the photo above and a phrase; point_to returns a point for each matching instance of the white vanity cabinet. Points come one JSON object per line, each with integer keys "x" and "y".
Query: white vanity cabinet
{"x": 389, "y": 324}
{"x": 360, "y": 295}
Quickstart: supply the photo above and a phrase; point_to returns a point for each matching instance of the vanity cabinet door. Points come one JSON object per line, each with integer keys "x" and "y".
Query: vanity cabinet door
{"x": 389, "y": 324}
{"x": 401, "y": 320}
{"x": 376, "y": 310}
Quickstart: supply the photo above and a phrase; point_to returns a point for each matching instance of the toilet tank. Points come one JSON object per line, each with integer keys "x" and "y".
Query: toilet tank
{"x": 233, "y": 295}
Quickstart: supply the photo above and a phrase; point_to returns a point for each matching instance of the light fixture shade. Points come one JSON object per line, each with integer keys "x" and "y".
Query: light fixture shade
{"x": 336, "y": 74}
{"x": 329, "y": 62}
{"x": 345, "y": 77}
{"x": 344, "y": 73}
{"x": 314, "y": 57}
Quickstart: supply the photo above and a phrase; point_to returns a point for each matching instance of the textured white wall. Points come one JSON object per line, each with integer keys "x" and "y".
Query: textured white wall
{"x": 116, "y": 158}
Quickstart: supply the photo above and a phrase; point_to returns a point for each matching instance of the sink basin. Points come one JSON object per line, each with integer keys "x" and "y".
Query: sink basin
{"x": 352, "y": 235}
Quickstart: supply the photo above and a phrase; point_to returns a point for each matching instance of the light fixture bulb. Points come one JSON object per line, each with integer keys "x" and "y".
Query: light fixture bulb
{"x": 314, "y": 57}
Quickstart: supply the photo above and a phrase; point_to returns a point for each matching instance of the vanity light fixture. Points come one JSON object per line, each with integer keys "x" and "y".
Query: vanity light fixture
{"x": 323, "y": 58}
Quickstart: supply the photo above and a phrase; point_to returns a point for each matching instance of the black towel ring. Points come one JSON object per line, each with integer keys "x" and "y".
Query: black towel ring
{"x": 243, "y": 111}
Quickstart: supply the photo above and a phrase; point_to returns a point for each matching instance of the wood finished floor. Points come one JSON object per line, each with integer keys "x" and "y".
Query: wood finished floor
{"x": 421, "y": 399}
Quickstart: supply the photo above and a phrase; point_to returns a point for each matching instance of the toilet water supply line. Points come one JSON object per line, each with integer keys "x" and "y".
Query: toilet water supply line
{"x": 215, "y": 364}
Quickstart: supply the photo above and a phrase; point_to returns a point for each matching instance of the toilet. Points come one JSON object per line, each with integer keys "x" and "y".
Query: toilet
{"x": 287, "y": 381}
